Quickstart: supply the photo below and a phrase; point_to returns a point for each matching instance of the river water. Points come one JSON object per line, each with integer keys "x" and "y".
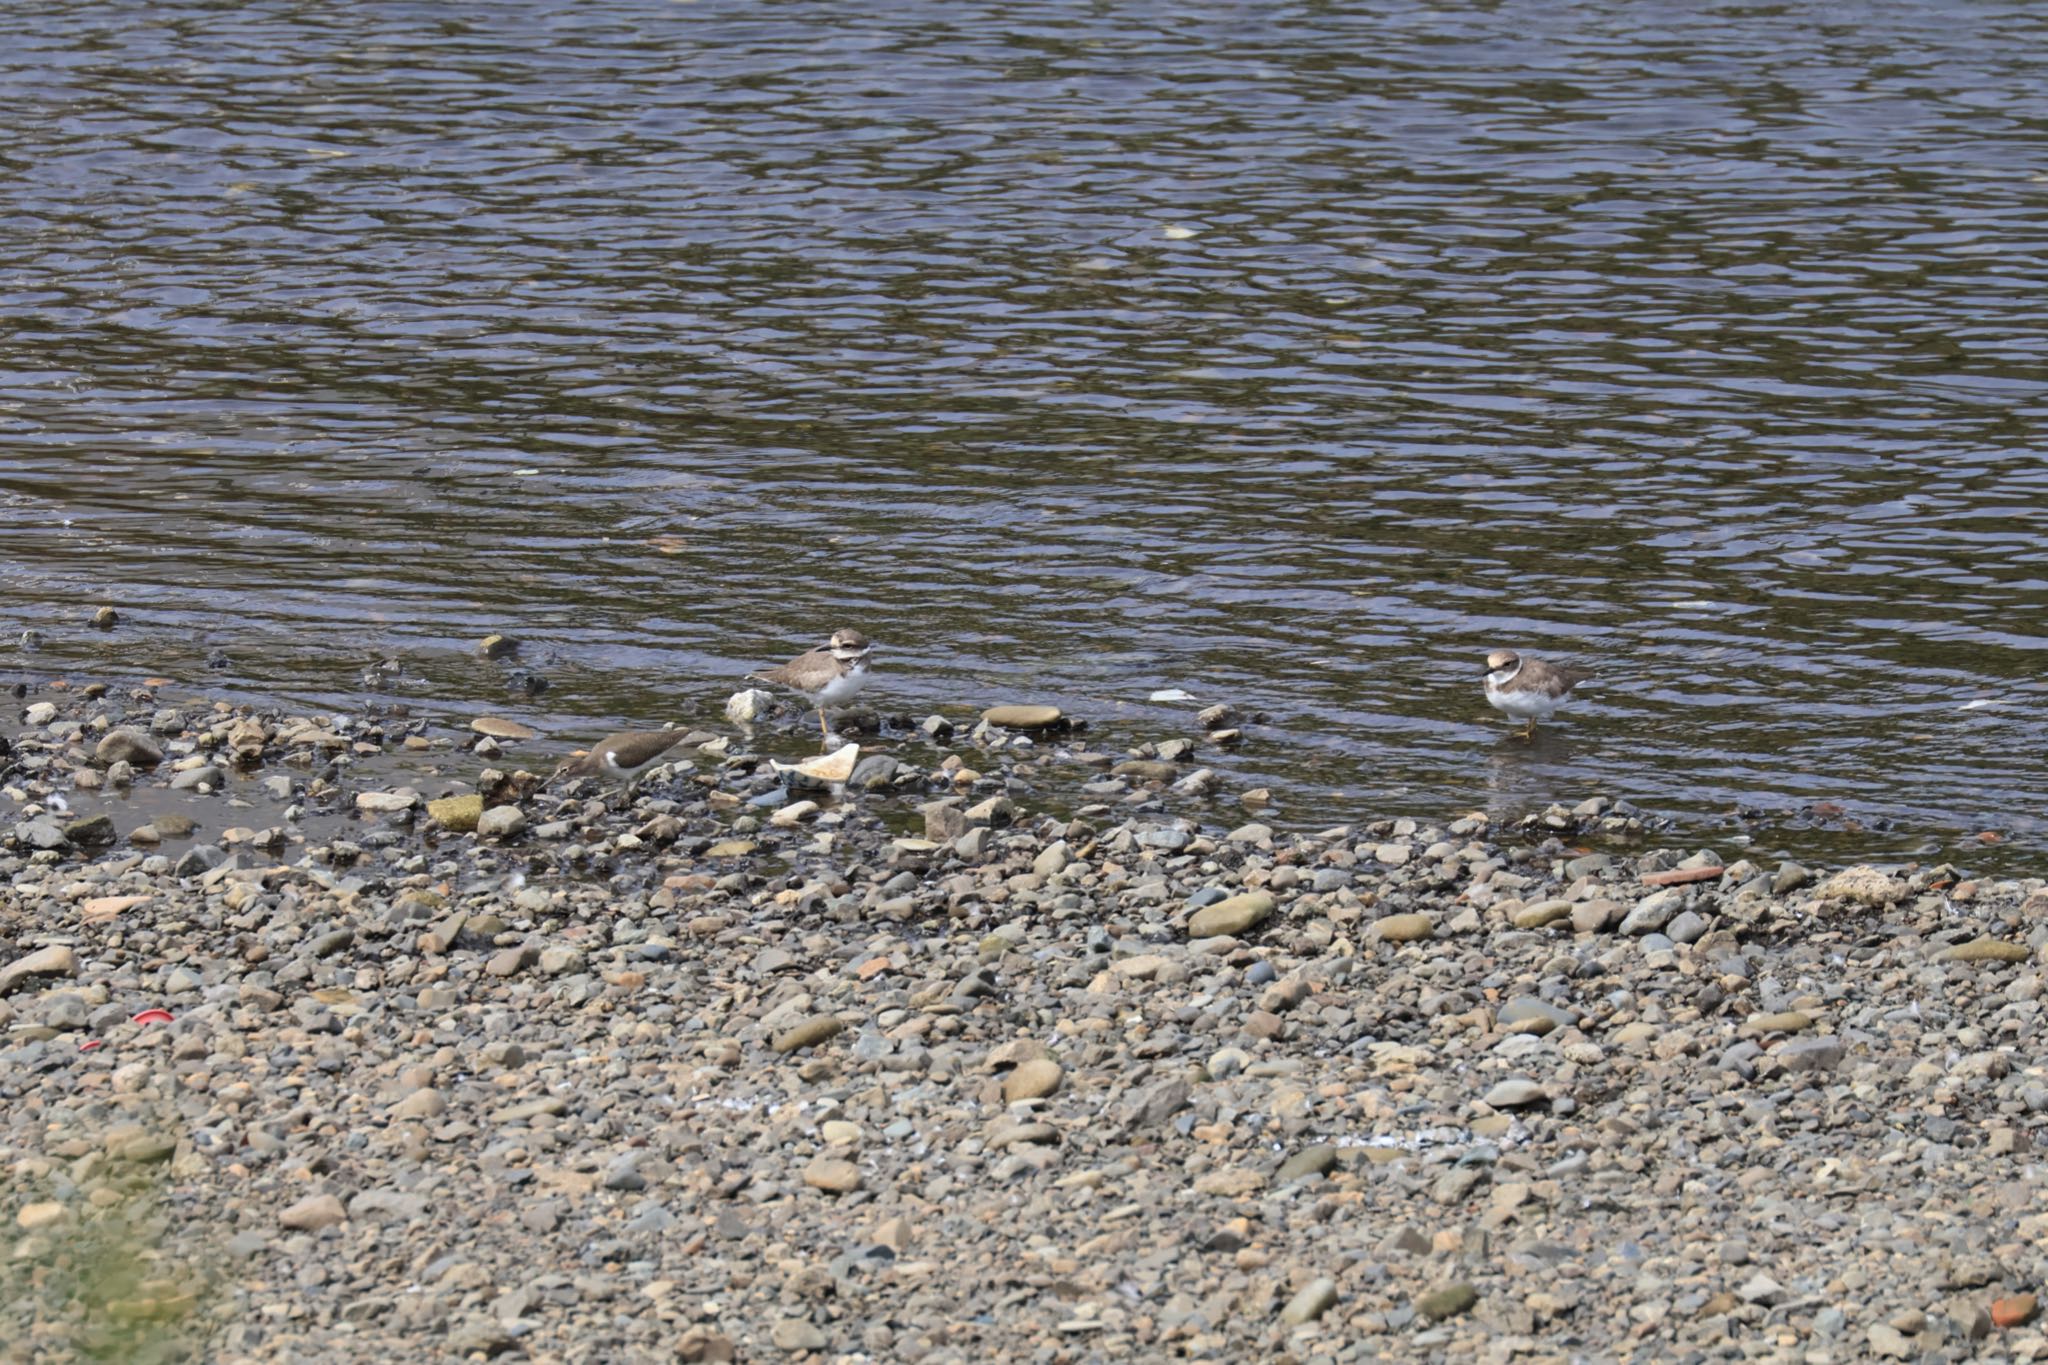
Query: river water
{"x": 1289, "y": 355}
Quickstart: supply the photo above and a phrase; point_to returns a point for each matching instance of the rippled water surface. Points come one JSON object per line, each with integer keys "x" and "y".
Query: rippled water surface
{"x": 1292, "y": 355}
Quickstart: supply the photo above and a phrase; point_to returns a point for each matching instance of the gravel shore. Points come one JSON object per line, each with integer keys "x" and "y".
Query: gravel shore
{"x": 448, "y": 1066}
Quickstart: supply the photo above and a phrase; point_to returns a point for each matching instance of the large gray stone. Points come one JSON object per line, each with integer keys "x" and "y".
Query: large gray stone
{"x": 130, "y": 746}
{"x": 1316, "y": 1298}
{"x": 55, "y": 960}
{"x": 1654, "y": 911}
{"x": 1810, "y": 1054}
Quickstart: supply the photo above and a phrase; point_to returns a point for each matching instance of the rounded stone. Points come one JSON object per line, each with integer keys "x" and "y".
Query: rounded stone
{"x": 1542, "y": 913}
{"x": 456, "y": 814}
{"x": 1405, "y": 928}
{"x": 1984, "y": 950}
{"x": 313, "y": 1213}
{"x": 424, "y": 1103}
{"x": 1316, "y": 1298}
{"x": 35, "y": 1217}
{"x": 1233, "y": 916}
{"x": 56, "y": 960}
{"x": 1032, "y": 1080}
{"x": 834, "y": 1177}
{"x": 1863, "y": 885}
{"x": 1513, "y": 1093}
{"x": 748, "y": 705}
{"x": 1526, "y": 1014}
{"x": 1309, "y": 1161}
{"x": 130, "y": 746}
{"x": 793, "y": 1335}
{"x": 809, "y": 1033}
{"x": 1447, "y": 1302}
{"x": 500, "y": 822}
{"x": 1022, "y": 717}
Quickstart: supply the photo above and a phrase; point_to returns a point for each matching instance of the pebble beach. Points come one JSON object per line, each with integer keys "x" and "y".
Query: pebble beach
{"x": 338, "y": 1038}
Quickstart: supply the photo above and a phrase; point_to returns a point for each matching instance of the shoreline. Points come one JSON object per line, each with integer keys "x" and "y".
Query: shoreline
{"x": 708, "y": 1079}
{"x": 1810, "y": 826}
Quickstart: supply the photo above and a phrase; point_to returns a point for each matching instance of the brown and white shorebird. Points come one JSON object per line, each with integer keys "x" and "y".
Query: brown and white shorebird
{"x": 827, "y": 675}
{"x": 624, "y": 755}
{"x": 1525, "y": 688}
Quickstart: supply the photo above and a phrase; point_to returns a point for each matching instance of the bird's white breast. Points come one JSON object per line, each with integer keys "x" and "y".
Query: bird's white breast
{"x": 845, "y": 685}
{"x": 1521, "y": 704}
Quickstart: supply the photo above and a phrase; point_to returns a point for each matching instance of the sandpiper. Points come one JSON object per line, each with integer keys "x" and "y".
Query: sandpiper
{"x": 625, "y": 755}
{"x": 827, "y": 675}
{"x": 1525, "y": 688}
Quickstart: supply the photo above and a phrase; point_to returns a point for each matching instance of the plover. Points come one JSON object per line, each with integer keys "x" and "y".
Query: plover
{"x": 827, "y": 675}
{"x": 1525, "y": 688}
{"x": 624, "y": 755}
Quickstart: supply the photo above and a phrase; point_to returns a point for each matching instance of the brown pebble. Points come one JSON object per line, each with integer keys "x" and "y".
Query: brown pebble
{"x": 834, "y": 1177}
{"x": 1032, "y": 1080}
{"x": 313, "y": 1213}
{"x": 1984, "y": 950}
{"x": 809, "y": 1033}
{"x": 1404, "y": 928}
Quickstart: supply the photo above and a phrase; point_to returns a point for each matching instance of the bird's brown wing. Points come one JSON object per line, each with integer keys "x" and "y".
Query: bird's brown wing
{"x": 1568, "y": 678}
{"x": 637, "y": 748}
{"x": 806, "y": 672}
{"x": 1549, "y": 678}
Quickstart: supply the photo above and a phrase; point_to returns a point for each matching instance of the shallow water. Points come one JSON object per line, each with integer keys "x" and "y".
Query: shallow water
{"x": 1292, "y": 357}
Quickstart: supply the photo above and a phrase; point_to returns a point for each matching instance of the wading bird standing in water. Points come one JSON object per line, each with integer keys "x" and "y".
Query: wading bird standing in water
{"x": 828, "y": 675}
{"x": 1523, "y": 687}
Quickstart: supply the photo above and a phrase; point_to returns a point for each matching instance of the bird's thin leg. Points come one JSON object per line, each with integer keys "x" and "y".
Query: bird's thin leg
{"x": 1530, "y": 733}
{"x": 824, "y": 731}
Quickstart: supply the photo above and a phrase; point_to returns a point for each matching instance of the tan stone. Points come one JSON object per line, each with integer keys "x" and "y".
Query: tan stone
{"x": 1984, "y": 950}
{"x": 1235, "y": 916}
{"x": 1404, "y": 928}
{"x": 1022, "y": 717}
{"x": 834, "y": 1177}
{"x": 808, "y": 1033}
{"x": 1542, "y": 913}
{"x": 56, "y": 960}
{"x": 1033, "y": 1080}
{"x": 424, "y": 1103}
{"x": 313, "y": 1213}
{"x": 35, "y": 1217}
